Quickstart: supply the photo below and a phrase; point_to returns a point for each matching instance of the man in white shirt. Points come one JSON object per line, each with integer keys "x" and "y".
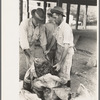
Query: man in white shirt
{"x": 65, "y": 51}
{"x": 31, "y": 32}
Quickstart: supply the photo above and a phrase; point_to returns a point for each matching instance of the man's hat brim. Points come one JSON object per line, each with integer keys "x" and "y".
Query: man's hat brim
{"x": 50, "y": 14}
{"x": 57, "y": 11}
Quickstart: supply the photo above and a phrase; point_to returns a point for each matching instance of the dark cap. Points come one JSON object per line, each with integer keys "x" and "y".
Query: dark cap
{"x": 57, "y": 10}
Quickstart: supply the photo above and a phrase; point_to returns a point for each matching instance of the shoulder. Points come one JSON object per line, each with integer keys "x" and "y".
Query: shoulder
{"x": 50, "y": 26}
{"x": 67, "y": 25}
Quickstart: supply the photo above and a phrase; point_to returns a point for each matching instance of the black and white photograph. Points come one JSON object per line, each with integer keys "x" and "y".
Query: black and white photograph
{"x": 57, "y": 50}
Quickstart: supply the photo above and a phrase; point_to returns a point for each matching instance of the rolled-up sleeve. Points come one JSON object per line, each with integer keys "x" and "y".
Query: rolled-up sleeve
{"x": 23, "y": 40}
{"x": 43, "y": 39}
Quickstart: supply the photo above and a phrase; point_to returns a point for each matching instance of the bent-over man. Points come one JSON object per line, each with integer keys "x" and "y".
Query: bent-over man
{"x": 32, "y": 33}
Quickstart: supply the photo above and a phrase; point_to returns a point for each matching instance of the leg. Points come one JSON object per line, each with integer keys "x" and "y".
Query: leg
{"x": 66, "y": 67}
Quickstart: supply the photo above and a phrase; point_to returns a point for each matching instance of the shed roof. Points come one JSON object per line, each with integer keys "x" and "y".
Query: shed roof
{"x": 82, "y": 2}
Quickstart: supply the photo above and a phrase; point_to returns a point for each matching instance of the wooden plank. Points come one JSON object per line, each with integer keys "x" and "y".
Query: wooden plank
{"x": 81, "y": 2}
{"x": 59, "y": 3}
{"x": 20, "y": 11}
{"x": 78, "y": 12}
{"x": 68, "y": 12}
{"x": 86, "y": 9}
{"x": 45, "y": 5}
{"x": 85, "y": 17}
{"x": 27, "y": 8}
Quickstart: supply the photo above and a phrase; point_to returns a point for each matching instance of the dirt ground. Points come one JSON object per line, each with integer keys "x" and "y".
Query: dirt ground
{"x": 83, "y": 74}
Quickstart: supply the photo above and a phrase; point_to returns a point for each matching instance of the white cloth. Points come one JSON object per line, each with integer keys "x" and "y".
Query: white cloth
{"x": 26, "y": 95}
{"x": 47, "y": 80}
{"x": 30, "y": 73}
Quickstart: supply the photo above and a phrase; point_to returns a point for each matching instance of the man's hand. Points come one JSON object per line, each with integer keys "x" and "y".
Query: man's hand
{"x": 28, "y": 53}
{"x": 27, "y": 80}
{"x": 58, "y": 66}
{"x": 46, "y": 52}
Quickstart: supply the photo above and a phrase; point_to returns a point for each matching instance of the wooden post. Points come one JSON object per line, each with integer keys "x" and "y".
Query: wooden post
{"x": 27, "y": 8}
{"x": 45, "y": 5}
{"x": 68, "y": 12}
{"x": 59, "y": 3}
{"x": 85, "y": 17}
{"x": 78, "y": 12}
{"x": 20, "y": 11}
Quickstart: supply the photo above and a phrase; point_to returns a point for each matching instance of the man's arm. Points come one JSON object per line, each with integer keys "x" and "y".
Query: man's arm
{"x": 23, "y": 35}
{"x": 51, "y": 45}
{"x": 43, "y": 39}
{"x": 66, "y": 46}
{"x": 58, "y": 65}
{"x": 68, "y": 39}
{"x": 49, "y": 34}
{"x": 23, "y": 40}
{"x": 28, "y": 53}
{"x": 44, "y": 47}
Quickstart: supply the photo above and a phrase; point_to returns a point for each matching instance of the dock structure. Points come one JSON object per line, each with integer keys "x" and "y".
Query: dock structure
{"x": 59, "y": 3}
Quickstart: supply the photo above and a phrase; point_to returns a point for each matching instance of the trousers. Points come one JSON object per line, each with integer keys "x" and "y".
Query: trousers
{"x": 66, "y": 66}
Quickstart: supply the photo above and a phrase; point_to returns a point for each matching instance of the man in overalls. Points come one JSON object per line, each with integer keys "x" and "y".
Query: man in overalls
{"x": 65, "y": 51}
{"x": 51, "y": 41}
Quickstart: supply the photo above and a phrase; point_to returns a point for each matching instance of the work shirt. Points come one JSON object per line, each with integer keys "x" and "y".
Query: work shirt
{"x": 49, "y": 29}
{"x": 29, "y": 34}
{"x": 63, "y": 34}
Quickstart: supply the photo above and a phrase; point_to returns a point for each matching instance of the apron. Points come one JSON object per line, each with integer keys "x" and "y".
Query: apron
{"x": 64, "y": 72}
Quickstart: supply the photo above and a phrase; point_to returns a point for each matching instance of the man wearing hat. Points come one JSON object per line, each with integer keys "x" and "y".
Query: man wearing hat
{"x": 51, "y": 41}
{"x": 65, "y": 51}
{"x": 32, "y": 33}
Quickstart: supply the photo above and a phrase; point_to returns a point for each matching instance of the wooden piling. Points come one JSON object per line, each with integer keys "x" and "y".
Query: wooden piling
{"x": 78, "y": 12}
{"x": 68, "y": 12}
{"x": 20, "y": 11}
